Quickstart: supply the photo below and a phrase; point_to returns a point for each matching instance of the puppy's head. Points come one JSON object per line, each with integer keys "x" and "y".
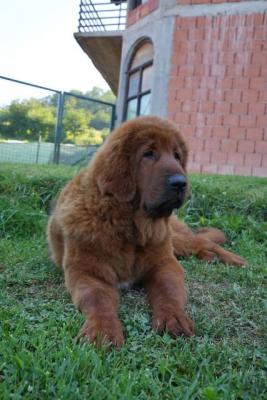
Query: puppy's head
{"x": 144, "y": 159}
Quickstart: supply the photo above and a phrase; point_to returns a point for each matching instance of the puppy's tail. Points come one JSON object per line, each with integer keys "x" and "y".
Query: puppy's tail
{"x": 213, "y": 234}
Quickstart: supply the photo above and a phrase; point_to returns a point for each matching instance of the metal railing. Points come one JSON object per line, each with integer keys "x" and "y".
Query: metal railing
{"x": 102, "y": 15}
{"x": 56, "y": 147}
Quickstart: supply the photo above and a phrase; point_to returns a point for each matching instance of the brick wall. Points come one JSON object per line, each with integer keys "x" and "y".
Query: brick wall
{"x": 182, "y": 2}
{"x": 141, "y": 11}
{"x": 218, "y": 91}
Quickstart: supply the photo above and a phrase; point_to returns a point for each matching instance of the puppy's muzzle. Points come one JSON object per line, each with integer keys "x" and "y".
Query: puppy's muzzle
{"x": 177, "y": 182}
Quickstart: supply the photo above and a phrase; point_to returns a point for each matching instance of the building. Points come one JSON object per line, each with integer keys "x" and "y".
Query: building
{"x": 200, "y": 63}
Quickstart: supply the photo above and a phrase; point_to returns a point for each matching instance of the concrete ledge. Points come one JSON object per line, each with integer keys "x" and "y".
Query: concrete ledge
{"x": 104, "y": 50}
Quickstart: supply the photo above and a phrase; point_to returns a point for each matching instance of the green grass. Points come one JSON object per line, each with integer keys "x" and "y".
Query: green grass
{"x": 39, "y": 357}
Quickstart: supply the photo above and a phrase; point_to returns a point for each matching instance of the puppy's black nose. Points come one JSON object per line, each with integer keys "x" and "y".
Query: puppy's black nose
{"x": 177, "y": 182}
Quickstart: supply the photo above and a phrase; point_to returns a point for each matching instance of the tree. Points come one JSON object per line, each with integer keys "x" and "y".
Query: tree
{"x": 84, "y": 121}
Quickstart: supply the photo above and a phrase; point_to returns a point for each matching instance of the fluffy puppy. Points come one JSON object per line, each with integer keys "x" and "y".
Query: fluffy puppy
{"x": 113, "y": 224}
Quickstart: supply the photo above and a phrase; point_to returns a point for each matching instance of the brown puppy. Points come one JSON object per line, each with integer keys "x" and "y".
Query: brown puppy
{"x": 112, "y": 225}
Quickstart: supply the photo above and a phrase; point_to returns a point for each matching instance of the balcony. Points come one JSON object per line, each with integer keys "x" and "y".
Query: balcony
{"x": 101, "y": 23}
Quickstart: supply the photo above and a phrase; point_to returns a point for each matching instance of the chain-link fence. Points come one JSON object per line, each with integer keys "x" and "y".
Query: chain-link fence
{"x": 42, "y": 125}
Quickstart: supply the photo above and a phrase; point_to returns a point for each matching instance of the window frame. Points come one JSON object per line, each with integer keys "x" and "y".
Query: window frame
{"x": 139, "y": 93}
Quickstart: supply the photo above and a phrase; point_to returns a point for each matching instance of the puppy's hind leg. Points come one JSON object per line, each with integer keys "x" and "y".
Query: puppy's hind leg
{"x": 55, "y": 241}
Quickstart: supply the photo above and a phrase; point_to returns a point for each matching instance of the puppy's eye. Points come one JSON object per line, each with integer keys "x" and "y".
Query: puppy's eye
{"x": 150, "y": 154}
{"x": 177, "y": 156}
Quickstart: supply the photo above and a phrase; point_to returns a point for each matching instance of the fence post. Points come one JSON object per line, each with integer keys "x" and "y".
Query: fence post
{"x": 58, "y": 127}
{"x": 113, "y": 118}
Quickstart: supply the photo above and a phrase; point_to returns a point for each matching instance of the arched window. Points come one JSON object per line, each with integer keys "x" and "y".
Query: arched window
{"x": 139, "y": 82}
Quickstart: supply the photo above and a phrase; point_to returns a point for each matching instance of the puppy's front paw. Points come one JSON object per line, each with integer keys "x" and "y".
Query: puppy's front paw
{"x": 176, "y": 323}
{"x": 102, "y": 331}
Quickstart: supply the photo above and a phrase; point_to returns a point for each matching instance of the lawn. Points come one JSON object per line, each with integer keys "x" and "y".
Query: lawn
{"x": 39, "y": 357}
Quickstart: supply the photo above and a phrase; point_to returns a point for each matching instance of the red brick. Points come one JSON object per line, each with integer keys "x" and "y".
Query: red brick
{"x": 187, "y": 22}
{"x": 188, "y": 131}
{"x": 172, "y": 94}
{"x": 201, "y": 21}
{"x": 259, "y": 171}
{"x": 262, "y": 121}
{"x": 198, "y": 119}
{"x": 220, "y": 132}
{"x": 222, "y": 107}
{"x": 191, "y": 156}
{"x": 186, "y": 70}
{"x": 194, "y": 167}
{"x": 210, "y": 57}
{"x": 261, "y": 146}
{"x": 226, "y": 57}
{"x": 202, "y": 70}
{"x": 203, "y": 132}
{"x": 263, "y": 70}
{"x": 233, "y": 95}
{"x": 174, "y": 70}
{"x": 237, "y": 133}
{"x": 207, "y": 82}
{"x": 174, "y": 106}
{"x": 153, "y": 4}
{"x": 250, "y": 95}
{"x": 264, "y": 160}
{"x": 258, "y": 83}
{"x": 252, "y": 70}
{"x": 254, "y": 134}
{"x": 212, "y": 34}
{"x": 202, "y": 157}
{"x": 234, "y": 70}
{"x": 206, "y": 106}
{"x": 218, "y": 157}
{"x": 249, "y": 20}
{"x": 181, "y": 34}
{"x": 257, "y": 108}
{"x": 177, "y": 82}
{"x": 200, "y": 1}
{"x": 242, "y": 57}
{"x": 224, "y": 83}
{"x": 212, "y": 144}
{"x": 218, "y": 70}
{"x": 214, "y": 120}
{"x": 182, "y": 118}
{"x": 246, "y": 146}
{"x": 247, "y": 121}
{"x": 263, "y": 96}
{"x": 184, "y": 93}
{"x": 201, "y": 94}
{"x": 260, "y": 19}
{"x": 226, "y": 169}
{"x": 210, "y": 169}
{"x": 216, "y": 95}
{"x": 179, "y": 56}
{"x": 231, "y": 120}
{"x": 244, "y": 170}
{"x": 235, "y": 158}
{"x": 184, "y": 1}
{"x": 253, "y": 159}
{"x": 192, "y": 82}
{"x": 228, "y": 145}
{"x": 193, "y": 57}
{"x": 241, "y": 83}
{"x": 196, "y": 144}
{"x": 239, "y": 108}
{"x": 189, "y": 106}
{"x": 144, "y": 10}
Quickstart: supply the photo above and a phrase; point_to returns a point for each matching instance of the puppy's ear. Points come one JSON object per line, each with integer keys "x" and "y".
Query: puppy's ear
{"x": 115, "y": 174}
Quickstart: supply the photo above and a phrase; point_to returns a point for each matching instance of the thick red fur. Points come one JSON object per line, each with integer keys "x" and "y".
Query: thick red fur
{"x": 110, "y": 226}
